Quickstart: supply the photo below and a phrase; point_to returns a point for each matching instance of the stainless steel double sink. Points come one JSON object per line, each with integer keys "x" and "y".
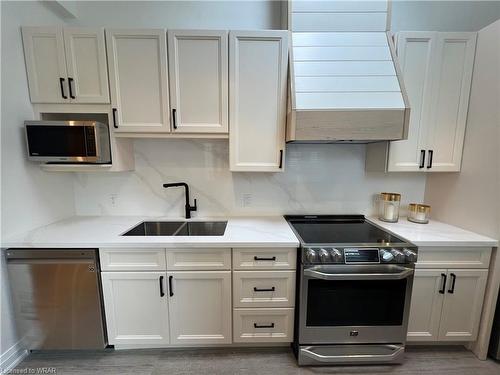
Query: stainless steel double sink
{"x": 178, "y": 228}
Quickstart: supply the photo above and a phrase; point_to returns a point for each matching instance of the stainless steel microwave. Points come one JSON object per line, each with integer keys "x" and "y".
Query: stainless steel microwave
{"x": 75, "y": 142}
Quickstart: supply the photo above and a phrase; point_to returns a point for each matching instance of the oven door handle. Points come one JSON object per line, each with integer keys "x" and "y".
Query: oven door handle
{"x": 405, "y": 272}
{"x": 372, "y": 358}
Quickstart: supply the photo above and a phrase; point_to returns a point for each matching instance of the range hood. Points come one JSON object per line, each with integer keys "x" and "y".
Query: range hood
{"x": 345, "y": 84}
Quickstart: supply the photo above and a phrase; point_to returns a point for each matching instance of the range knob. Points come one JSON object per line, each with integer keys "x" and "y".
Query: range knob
{"x": 399, "y": 257}
{"x": 336, "y": 255}
{"x": 386, "y": 255}
{"x": 311, "y": 256}
{"x": 411, "y": 256}
{"x": 324, "y": 256}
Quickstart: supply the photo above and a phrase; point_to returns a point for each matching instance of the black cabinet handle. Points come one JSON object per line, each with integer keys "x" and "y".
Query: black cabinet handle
{"x": 272, "y": 289}
{"x": 174, "y": 118}
{"x": 61, "y": 84}
{"x": 162, "y": 293}
{"x": 115, "y": 125}
{"x": 281, "y": 159}
{"x": 258, "y": 258}
{"x": 429, "y": 163}
{"x": 443, "y": 285}
{"x": 453, "y": 279}
{"x": 170, "y": 289}
{"x": 422, "y": 159}
{"x": 255, "y": 325}
{"x": 70, "y": 81}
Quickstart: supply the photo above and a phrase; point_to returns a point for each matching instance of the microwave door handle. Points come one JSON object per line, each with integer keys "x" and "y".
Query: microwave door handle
{"x": 406, "y": 272}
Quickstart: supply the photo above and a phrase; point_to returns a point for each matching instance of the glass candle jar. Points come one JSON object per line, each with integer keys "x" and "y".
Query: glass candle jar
{"x": 418, "y": 213}
{"x": 389, "y": 207}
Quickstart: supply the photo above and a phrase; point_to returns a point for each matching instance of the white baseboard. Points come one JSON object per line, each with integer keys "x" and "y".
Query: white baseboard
{"x": 12, "y": 357}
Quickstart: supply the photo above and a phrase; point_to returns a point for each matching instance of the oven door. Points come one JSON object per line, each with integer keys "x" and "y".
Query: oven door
{"x": 358, "y": 304}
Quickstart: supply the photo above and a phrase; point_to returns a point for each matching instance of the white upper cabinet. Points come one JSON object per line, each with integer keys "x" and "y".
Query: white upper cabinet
{"x": 257, "y": 83}
{"x": 45, "y": 64}
{"x": 86, "y": 65}
{"x": 197, "y": 64}
{"x": 437, "y": 69}
{"x": 137, "y": 61}
{"x": 452, "y": 82}
{"x": 66, "y": 65}
{"x": 415, "y": 51}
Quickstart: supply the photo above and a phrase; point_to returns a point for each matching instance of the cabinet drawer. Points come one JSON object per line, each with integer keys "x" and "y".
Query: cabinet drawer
{"x": 132, "y": 259}
{"x": 263, "y": 325}
{"x": 198, "y": 259}
{"x": 453, "y": 257}
{"x": 265, "y": 258}
{"x": 263, "y": 288}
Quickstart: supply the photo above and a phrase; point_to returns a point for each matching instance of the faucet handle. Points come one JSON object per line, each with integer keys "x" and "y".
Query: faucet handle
{"x": 195, "y": 207}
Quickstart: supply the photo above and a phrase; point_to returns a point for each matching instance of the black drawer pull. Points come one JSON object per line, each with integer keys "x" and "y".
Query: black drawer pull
{"x": 61, "y": 83}
{"x": 281, "y": 159}
{"x": 422, "y": 159}
{"x": 272, "y": 289}
{"x": 443, "y": 285}
{"x": 453, "y": 279}
{"x": 259, "y": 258}
{"x": 115, "y": 125}
{"x": 255, "y": 325}
{"x": 174, "y": 118}
{"x": 162, "y": 293}
{"x": 171, "y": 290}
{"x": 429, "y": 163}
{"x": 70, "y": 81}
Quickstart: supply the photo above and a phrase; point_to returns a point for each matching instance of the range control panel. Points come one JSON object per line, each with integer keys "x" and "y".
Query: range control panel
{"x": 358, "y": 255}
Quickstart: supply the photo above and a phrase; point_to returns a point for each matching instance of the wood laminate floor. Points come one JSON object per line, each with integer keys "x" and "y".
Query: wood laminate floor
{"x": 272, "y": 361}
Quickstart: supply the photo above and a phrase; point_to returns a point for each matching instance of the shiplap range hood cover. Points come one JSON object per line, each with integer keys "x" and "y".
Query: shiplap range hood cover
{"x": 345, "y": 83}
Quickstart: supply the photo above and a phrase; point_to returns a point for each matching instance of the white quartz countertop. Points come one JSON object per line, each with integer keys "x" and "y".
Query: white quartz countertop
{"x": 435, "y": 233}
{"x": 105, "y": 231}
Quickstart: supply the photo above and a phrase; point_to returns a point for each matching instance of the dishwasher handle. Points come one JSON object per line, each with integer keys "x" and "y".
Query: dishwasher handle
{"x": 23, "y": 255}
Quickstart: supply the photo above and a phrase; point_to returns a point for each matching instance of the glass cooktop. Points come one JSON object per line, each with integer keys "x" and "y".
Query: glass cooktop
{"x": 339, "y": 229}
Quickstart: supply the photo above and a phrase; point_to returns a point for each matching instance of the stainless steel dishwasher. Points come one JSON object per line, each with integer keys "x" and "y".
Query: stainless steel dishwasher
{"x": 57, "y": 298}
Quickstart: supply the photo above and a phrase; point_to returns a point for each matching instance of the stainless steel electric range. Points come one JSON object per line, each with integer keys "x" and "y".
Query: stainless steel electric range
{"x": 354, "y": 288}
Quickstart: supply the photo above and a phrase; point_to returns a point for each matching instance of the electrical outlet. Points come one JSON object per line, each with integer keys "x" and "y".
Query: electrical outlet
{"x": 246, "y": 200}
{"x": 112, "y": 199}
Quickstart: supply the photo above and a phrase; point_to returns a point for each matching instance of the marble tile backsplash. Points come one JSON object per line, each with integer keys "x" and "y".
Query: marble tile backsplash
{"x": 322, "y": 178}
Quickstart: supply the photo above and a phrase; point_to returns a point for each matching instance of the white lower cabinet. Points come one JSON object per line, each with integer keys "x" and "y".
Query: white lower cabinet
{"x": 200, "y": 307}
{"x": 446, "y": 304}
{"x": 462, "y": 305}
{"x": 136, "y": 311}
{"x": 426, "y": 305}
{"x": 183, "y": 297}
{"x": 263, "y": 325}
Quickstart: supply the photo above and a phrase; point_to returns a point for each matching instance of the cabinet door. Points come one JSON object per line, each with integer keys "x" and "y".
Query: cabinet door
{"x": 138, "y": 79}
{"x": 462, "y": 305}
{"x": 426, "y": 305}
{"x": 415, "y": 53}
{"x": 257, "y": 83}
{"x": 136, "y": 311}
{"x": 197, "y": 64}
{"x": 86, "y": 65}
{"x": 452, "y": 80}
{"x": 200, "y": 307}
{"x": 45, "y": 64}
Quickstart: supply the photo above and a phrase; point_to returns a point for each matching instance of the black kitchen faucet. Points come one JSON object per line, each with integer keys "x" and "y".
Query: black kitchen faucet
{"x": 188, "y": 207}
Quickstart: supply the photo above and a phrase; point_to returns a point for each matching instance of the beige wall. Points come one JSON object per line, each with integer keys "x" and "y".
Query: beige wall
{"x": 471, "y": 198}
